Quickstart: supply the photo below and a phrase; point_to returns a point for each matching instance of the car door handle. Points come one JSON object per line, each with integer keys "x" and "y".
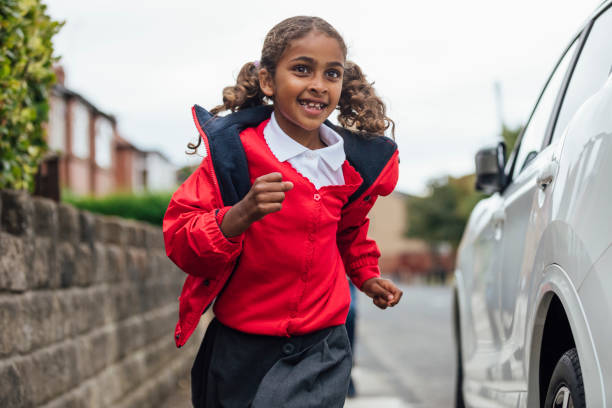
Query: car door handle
{"x": 499, "y": 216}
{"x": 547, "y": 174}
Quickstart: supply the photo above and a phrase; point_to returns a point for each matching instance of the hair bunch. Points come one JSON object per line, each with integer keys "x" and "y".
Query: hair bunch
{"x": 245, "y": 94}
{"x": 360, "y": 108}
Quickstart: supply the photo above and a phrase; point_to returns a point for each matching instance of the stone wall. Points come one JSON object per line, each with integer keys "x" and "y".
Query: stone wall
{"x": 88, "y": 306}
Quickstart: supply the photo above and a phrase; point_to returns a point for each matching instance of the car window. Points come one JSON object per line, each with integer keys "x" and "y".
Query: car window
{"x": 533, "y": 136}
{"x": 592, "y": 70}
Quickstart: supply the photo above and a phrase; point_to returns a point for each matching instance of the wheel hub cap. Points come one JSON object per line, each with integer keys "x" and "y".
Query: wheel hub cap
{"x": 563, "y": 399}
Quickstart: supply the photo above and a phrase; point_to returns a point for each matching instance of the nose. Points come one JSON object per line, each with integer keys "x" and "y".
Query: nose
{"x": 317, "y": 85}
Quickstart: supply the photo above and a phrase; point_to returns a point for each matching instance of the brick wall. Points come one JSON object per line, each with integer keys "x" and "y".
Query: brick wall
{"x": 87, "y": 309}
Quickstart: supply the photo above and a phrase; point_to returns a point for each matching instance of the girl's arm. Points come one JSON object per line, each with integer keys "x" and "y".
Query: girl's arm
{"x": 360, "y": 256}
{"x": 359, "y": 253}
{"x": 193, "y": 238}
{"x": 201, "y": 236}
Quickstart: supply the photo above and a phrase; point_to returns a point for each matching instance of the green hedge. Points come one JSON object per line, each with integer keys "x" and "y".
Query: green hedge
{"x": 149, "y": 207}
{"x": 26, "y": 75}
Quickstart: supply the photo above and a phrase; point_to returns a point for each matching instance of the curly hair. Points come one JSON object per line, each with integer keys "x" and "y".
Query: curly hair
{"x": 361, "y": 110}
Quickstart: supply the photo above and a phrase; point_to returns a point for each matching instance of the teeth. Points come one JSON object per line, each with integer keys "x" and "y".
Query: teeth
{"x": 312, "y": 104}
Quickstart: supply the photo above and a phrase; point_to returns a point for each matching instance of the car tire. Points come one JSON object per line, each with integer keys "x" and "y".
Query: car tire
{"x": 459, "y": 402}
{"x": 566, "y": 382}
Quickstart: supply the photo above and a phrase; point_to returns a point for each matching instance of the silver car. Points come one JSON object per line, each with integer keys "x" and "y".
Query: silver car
{"x": 533, "y": 292}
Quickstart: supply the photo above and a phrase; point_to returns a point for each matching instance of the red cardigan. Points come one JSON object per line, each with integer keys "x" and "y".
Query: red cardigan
{"x": 288, "y": 268}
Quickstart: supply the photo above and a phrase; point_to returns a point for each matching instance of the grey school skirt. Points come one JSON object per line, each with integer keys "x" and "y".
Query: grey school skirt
{"x": 239, "y": 370}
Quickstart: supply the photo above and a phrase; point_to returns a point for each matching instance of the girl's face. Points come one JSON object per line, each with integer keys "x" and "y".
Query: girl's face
{"x": 307, "y": 84}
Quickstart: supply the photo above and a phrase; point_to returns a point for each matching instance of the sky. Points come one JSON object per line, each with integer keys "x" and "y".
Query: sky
{"x": 434, "y": 63}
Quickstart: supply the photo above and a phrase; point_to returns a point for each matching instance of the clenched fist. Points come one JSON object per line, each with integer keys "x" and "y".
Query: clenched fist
{"x": 265, "y": 196}
{"x": 383, "y": 292}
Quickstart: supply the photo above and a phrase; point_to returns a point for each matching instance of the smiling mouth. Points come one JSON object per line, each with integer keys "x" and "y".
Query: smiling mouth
{"x": 313, "y": 105}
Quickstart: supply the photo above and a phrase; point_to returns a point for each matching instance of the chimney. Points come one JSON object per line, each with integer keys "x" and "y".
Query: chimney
{"x": 59, "y": 74}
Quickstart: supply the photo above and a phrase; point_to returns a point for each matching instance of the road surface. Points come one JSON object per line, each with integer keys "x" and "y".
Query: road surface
{"x": 405, "y": 355}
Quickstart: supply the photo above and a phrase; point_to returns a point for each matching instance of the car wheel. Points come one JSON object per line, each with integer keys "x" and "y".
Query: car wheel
{"x": 566, "y": 389}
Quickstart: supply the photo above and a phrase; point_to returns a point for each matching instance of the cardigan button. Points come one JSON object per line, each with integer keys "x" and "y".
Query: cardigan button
{"x": 317, "y": 197}
{"x": 288, "y": 348}
{"x": 206, "y": 282}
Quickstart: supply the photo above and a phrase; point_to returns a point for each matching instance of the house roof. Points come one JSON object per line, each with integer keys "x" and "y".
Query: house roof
{"x": 62, "y": 91}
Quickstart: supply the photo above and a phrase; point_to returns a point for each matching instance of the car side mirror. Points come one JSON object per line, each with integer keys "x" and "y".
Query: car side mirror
{"x": 490, "y": 162}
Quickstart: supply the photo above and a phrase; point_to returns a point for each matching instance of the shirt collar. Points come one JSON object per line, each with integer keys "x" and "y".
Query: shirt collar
{"x": 284, "y": 147}
{"x": 333, "y": 154}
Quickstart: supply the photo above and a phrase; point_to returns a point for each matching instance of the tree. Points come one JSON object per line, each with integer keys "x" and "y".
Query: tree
{"x": 26, "y": 75}
{"x": 510, "y": 136}
{"x": 441, "y": 215}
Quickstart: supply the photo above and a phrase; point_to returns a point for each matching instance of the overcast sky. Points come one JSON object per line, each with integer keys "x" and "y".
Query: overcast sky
{"x": 434, "y": 64}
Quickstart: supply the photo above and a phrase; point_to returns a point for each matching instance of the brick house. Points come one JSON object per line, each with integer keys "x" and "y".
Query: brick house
{"x": 142, "y": 170}
{"x": 131, "y": 174}
{"x": 84, "y": 137}
{"x": 93, "y": 158}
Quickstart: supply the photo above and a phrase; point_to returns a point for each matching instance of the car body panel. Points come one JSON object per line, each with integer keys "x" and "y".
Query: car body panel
{"x": 597, "y": 302}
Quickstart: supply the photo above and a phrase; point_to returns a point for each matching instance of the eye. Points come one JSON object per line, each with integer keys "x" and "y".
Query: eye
{"x": 334, "y": 74}
{"x": 301, "y": 69}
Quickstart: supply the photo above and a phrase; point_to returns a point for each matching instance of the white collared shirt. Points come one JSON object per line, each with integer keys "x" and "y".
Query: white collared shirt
{"x": 323, "y": 167}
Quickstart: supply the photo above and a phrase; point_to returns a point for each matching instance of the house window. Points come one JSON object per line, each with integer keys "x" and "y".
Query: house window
{"x": 80, "y": 131}
{"x": 104, "y": 140}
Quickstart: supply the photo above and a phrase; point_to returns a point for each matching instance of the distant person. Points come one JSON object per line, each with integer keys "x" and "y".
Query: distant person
{"x": 275, "y": 215}
{"x": 351, "y": 321}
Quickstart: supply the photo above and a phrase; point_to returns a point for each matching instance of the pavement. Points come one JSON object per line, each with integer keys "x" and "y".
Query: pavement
{"x": 404, "y": 355}
{"x": 373, "y": 392}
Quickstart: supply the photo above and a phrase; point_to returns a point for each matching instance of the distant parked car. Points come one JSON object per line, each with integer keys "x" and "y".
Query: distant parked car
{"x": 533, "y": 293}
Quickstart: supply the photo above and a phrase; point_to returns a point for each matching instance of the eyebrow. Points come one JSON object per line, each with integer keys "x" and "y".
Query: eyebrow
{"x": 312, "y": 61}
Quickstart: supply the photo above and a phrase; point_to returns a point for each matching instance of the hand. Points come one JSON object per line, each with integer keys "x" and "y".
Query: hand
{"x": 265, "y": 196}
{"x": 383, "y": 292}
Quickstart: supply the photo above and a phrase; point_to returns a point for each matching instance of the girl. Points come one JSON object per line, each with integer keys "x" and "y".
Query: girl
{"x": 274, "y": 219}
